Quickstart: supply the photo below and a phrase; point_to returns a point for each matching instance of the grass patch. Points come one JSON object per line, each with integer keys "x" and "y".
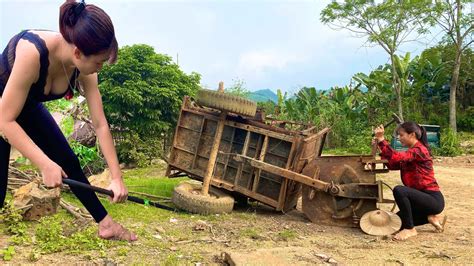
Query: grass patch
{"x": 154, "y": 227}
{"x": 150, "y": 180}
{"x": 253, "y": 233}
{"x": 21, "y": 165}
{"x": 155, "y": 186}
{"x": 466, "y": 140}
{"x": 51, "y": 237}
{"x": 287, "y": 235}
{"x": 54, "y": 234}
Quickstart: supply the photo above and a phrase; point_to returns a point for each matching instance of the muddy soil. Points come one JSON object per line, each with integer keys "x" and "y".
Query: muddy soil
{"x": 273, "y": 238}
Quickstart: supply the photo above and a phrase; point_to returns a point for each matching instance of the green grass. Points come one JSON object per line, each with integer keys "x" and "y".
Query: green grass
{"x": 58, "y": 234}
{"x": 467, "y": 142}
{"x": 50, "y": 233}
{"x": 287, "y": 235}
{"x": 159, "y": 187}
{"x": 253, "y": 233}
{"x": 128, "y": 210}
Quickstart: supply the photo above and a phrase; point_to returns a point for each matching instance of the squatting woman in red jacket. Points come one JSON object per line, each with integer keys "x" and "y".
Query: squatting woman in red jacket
{"x": 419, "y": 199}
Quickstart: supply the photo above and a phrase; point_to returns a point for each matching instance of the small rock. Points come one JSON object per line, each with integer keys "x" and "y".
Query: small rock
{"x": 322, "y": 256}
{"x": 101, "y": 180}
{"x": 200, "y": 226}
{"x": 157, "y": 236}
{"x": 173, "y": 248}
{"x": 332, "y": 261}
{"x": 173, "y": 220}
{"x": 160, "y": 229}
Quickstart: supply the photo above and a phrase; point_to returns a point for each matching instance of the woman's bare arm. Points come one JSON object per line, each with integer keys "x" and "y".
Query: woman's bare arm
{"x": 101, "y": 127}
{"x": 24, "y": 73}
{"x": 102, "y": 130}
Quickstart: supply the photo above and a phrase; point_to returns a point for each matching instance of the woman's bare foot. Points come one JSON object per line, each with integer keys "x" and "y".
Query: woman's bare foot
{"x": 109, "y": 229}
{"x": 405, "y": 233}
{"x": 437, "y": 221}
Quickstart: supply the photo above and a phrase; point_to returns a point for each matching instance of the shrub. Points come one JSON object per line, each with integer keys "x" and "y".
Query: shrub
{"x": 465, "y": 120}
{"x": 89, "y": 158}
{"x": 449, "y": 144}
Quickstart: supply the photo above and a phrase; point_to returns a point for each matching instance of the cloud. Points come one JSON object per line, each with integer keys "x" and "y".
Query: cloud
{"x": 256, "y": 63}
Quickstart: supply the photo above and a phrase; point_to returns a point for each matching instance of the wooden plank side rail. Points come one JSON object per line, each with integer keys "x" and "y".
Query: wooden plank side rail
{"x": 320, "y": 185}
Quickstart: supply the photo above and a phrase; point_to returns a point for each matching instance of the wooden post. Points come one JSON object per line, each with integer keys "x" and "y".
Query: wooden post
{"x": 373, "y": 152}
{"x": 221, "y": 86}
{"x": 213, "y": 155}
{"x": 215, "y": 148}
{"x": 244, "y": 153}
{"x": 263, "y": 152}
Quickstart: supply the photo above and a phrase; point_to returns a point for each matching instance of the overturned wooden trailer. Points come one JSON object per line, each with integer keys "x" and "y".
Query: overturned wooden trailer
{"x": 267, "y": 162}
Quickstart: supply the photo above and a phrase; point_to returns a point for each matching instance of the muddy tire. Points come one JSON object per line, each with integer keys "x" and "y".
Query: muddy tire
{"x": 186, "y": 196}
{"x": 227, "y": 102}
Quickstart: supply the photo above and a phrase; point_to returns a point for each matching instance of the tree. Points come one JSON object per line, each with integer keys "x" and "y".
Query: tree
{"x": 388, "y": 24}
{"x": 239, "y": 89}
{"x": 378, "y": 98}
{"x": 459, "y": 28}
{"x": 142, "y": 95}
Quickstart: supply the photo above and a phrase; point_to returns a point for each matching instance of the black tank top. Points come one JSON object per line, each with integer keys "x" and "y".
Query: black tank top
{"x": 36, "y": 93}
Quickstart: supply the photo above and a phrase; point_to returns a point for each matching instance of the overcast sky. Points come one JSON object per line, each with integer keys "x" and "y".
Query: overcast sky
{"x": 267, "y": 44}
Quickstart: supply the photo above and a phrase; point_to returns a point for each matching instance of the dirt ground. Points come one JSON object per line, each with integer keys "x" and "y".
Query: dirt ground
{"x": 257, "y": 235}
{"x": 318, "y": 244}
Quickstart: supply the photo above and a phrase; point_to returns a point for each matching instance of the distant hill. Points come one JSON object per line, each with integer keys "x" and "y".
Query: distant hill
{"x": 263, "y": 96}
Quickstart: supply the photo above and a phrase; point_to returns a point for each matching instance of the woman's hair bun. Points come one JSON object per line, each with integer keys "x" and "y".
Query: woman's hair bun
{"x": 71, "y": 11}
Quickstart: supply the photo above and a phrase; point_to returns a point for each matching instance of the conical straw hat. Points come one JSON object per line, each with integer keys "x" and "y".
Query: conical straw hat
{"x": 380, "y": 223}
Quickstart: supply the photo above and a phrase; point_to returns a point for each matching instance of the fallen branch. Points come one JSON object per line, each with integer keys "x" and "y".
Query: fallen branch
{"x": 202, "y": 239}
{"x": 76, "y": 212}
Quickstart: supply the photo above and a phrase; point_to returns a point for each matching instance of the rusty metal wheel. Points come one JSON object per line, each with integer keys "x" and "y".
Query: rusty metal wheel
{"x": 227, "y": 102}
{"x": 323, "y": 208}
{"x": 187, "y": 196}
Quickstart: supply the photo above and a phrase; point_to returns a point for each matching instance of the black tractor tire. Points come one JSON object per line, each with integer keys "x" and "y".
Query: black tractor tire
{"x": 227, "y": 102}
{"x": 187, "y": 196}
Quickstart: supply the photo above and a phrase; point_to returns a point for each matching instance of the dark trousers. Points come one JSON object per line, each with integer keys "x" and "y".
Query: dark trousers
{"x": 45, "y": 133}
{"x": 415, "y": 205}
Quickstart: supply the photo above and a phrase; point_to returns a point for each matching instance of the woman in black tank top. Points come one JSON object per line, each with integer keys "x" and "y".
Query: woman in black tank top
{"x": 38, "y": 66}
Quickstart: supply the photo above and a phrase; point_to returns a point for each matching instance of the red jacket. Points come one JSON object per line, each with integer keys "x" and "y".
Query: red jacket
{"x": 415, "y": 165}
